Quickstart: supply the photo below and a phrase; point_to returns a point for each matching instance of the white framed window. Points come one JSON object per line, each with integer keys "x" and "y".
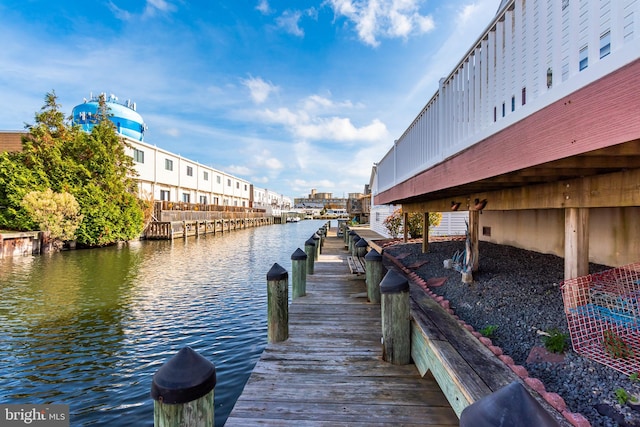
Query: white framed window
{"x": 205, "y": 175}
{"x": 189, "y": 171}
{"x": 165, "y": 195}
{"x": 605, "y": 44}
{"x": 186, "y": 197}
{"x": 168, "y": 164}
{"x": 583, "y": 57}
{"x": 138, "y": 156}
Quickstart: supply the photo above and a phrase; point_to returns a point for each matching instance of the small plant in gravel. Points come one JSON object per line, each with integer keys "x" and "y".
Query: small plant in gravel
{"x": 633, "y": 377}
{"x": 622, "y": 396}
{"x": 489, "y": 331}
{"x": 555, "y": 341}
{"x": 615, "y": 346}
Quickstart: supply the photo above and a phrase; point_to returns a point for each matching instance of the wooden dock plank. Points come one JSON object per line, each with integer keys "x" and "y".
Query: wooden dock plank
{"x": 330, "y": 371}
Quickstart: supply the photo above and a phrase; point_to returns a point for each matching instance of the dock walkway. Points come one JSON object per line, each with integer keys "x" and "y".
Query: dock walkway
{"x": 330, "y": 370}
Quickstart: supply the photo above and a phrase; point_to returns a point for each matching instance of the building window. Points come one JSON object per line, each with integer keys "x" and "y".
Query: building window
{"x": 216, "y": 201}
{"x": 205, "y": 175}
{"x": 218, "y": 179}
{"x": 168, "y": 164}
{"x": 203, "y": 200}
{"x": 228, "y": 182}
{"x": 186, "y": 197}
{"x": 524, "y": 95}
{"x": 513, "y": 103}
{"x": 503, "y": 109}
{"x": 495, "y": 114}
{"x": 549, "y": 78}
{"x": 138, "y": 156}
{"x": 165, "y": 195}
{"x": 189, "y": 171}
{"x": 605, "y": 44}
{"x": 237, "y": 185}
{"x": 583, "y": 57}
{"x": 245, "y": 187}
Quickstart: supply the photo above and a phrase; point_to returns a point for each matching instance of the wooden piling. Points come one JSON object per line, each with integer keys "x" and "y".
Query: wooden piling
{"x": 298, "y": 273}
{"x": 396, "y": 319}
{"x": 277, "y": 304}
{"x": 373, "y": 274}
{"x": 182, "y": 390}
{"x": 310, "y": 250}
{"x": 316, "y": 240}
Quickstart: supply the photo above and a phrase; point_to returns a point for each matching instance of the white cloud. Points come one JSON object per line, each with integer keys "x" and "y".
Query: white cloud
{"x": 383, "y": 18}
{"x": 263, "y": 7}
{"x": 238, "y": 170}
{"x": 326, "y": 128}
{"x": 289, "y": 22}
{"x": 259, "y": 89}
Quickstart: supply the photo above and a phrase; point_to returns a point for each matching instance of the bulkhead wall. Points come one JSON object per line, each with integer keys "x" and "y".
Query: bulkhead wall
{"x": 613, "y": 232}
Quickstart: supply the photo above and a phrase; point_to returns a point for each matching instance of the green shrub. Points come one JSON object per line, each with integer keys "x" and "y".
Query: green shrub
{"x": 489, "y": 330}
{"x": 556, "y": 341}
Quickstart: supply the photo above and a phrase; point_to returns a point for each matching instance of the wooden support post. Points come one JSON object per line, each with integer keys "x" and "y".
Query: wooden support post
{"x": 298, "y": 273}
{"x": 184, "y": 229}
{"x": 474, "y": 225}
{"x": 361, "y": 248}
{"x": 405, "y": 227}
{"x": 373, "y": 275}
{"x": 576, "y": 242}
{"x": 350, "y": 237}
{"x": 396, "y": 319}
{"x": 277, "y": 304}
{"x": 182, "y": 390}
{"x": 354, "y": 244}
{"x": 310, "y": 250}
{"x": 316, "y": 240}
{"x": 425, "y": 233}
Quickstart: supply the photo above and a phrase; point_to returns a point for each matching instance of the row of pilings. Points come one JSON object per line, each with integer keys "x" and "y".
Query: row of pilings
{"x": 183, "y": 388}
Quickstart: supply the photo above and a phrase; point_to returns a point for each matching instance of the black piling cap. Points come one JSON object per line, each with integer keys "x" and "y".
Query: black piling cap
{"x": 362, "y": 243}
{"x": 510, "y": 405}
{"x": 310, "y": 242}
{"x": 298, "y": 255}
{"x": 277, "y": 273}
{"x": 315, "y": 236}
{"x": 355, "y": 238}
{"x": 373, "y": 255}
{"x": 393, "y": 283}
{"x": 351, "y": 233}
{"x": 185, "y": 377}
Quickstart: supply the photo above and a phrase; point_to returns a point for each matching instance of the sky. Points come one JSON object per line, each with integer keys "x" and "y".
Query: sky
{"x": 291, "y": 95}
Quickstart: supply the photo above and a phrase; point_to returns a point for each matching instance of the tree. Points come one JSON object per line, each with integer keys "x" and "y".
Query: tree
{"x": 56, "y": 213}
{"x": 93, "y": 167}
{"x": 393, "y": 223}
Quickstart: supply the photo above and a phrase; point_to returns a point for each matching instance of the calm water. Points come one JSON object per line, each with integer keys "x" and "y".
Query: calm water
{"x": 89, "y": 328}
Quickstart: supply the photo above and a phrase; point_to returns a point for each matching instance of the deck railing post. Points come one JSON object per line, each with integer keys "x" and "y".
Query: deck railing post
{"x": 310, "y": 250}
{"x": 396, "y": 320}
{"x": 373, "y": 274}
{"x": 182, "y": 390}
{"x": 298, "y": 273}
{"x": 361, "y": 247}
{"x": 316, "y": 240}
{"x": 349, "y": 241}
{"x": 277, "y": 304}
{"x": 354, "y": 241}
{"x": 321, "y": 235}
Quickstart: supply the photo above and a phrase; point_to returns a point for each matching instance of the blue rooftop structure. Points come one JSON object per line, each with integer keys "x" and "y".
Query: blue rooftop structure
{"x": 124, "y": 116}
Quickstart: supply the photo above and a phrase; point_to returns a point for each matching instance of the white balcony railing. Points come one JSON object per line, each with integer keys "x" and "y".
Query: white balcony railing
{"x": 532, "y": 54}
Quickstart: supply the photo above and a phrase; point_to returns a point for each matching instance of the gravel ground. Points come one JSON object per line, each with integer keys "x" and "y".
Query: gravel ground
{"x": 518, "y": 291}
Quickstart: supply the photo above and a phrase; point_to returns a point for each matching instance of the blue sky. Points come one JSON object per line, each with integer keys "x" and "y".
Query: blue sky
{"x": 291, "y": 95}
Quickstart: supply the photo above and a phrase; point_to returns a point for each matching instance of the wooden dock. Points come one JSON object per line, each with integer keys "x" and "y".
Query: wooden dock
{"x": 330, "y": 371}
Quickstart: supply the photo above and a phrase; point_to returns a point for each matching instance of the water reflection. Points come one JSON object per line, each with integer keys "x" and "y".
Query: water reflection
{"x": 90, "y": 328}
